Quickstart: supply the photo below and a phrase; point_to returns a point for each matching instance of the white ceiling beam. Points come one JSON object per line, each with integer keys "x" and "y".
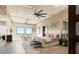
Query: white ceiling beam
{"x": 8, "y": 14}
{"x": 18, "y": 16}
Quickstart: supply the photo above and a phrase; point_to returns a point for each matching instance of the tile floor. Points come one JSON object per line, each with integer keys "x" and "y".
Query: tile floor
{"x": 23, "y": 47}
{"x": 14, "y": 47}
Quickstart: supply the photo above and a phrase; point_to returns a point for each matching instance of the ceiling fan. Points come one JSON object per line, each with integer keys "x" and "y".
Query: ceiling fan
{"x": 39, "y": 13}
{"x": 36, "y": 13}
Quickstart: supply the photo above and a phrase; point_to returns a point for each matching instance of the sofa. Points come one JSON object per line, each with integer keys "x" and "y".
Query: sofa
{"x": 48, "y": 41}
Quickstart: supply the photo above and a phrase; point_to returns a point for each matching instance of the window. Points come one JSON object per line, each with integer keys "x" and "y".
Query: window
{"x": 24, "y": 30}
{"x": 28, "y": 30}
{"x": 20, "y": 30}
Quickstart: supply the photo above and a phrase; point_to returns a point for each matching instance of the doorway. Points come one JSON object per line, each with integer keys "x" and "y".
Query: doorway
{"x": 73, "y": 29}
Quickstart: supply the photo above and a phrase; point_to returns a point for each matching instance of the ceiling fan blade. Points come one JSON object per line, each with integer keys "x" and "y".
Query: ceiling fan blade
{"x": 39, "y": 11}
{"x": 43, "y": 14}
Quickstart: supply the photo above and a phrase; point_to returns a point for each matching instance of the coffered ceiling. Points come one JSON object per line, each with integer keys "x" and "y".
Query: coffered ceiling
{"x": 24, "y": 13}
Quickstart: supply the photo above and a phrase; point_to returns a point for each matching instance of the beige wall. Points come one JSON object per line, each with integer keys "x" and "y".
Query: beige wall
{"x": 53, "y": 19}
